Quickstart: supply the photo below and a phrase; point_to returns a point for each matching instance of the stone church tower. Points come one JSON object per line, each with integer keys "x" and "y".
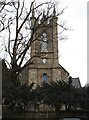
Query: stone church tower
{"x": 44, "y": 54}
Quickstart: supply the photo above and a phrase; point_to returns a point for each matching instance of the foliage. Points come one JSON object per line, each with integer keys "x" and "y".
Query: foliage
{"x": 58, "y": 94}
{"x": 55, "y": 94}
{"x": 61, "y": 93}
{"x": 17, "y": 98}
{"x": 85, "y": 98}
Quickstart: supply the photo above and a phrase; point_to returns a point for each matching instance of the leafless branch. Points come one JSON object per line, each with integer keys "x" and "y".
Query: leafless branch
{"x": 19, "y": 29}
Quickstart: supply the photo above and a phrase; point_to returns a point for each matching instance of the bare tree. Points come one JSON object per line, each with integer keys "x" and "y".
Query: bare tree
{"x": 2, "y": 5}
{"x": 17, "y": 30}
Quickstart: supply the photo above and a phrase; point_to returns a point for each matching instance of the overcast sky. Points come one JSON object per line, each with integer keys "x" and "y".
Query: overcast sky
{"x": 73, "y": 51}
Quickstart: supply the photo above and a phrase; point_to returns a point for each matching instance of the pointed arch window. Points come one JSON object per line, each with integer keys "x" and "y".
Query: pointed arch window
{"x": 44, "y": 43}
{"x": 44, "y": 77}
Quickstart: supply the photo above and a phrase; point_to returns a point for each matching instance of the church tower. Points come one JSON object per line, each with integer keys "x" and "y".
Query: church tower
{"x": 44, "y": 53}
{"x": 45, "y": 66}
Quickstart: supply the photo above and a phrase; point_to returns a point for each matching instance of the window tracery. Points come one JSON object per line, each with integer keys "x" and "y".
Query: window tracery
{"x": 44, "y": 43}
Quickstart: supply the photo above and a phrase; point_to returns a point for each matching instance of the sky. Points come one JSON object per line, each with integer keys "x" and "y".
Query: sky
{"x": 73, "y": 51}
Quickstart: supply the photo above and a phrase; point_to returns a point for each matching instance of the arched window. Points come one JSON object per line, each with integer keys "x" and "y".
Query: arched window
{"x": 44, "y": 77}
{"x": 44, "y": 43}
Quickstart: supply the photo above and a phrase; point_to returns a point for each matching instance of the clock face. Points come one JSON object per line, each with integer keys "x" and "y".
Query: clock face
{"x": 44, "y": 60}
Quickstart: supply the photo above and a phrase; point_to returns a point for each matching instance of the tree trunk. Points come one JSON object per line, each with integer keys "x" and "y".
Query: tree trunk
{"x": 14, "y": 76}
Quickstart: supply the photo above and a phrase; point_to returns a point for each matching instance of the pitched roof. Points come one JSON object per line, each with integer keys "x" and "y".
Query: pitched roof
{"x": 76, "y": 82}
{"x": 64, "y": 69}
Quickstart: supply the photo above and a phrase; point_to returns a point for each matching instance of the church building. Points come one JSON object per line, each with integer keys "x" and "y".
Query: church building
{"x": 44, "y": 60}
